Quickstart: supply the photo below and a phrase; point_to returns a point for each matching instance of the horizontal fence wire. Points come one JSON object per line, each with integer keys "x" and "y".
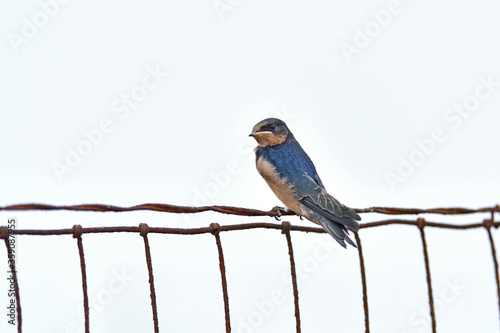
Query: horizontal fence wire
{"x": 242, "y": 211}
{"x": 143, "y": 230}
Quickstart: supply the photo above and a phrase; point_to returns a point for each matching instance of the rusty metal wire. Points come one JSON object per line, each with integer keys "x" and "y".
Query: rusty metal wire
{"x": 222, "y": 266}
{"x": 488, "y": 224}
{"x": 144, "y": 233}
{"x": 363, "y": 282}
{"x": 143, "y": 229}
{"x": 421, "y": 225}
{"x": 77, "y": 233}
{"x": 241, "y": 211}
{"x": 286, "y": 227}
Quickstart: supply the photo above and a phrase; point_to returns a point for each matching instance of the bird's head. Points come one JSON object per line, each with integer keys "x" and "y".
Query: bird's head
{"x": 270, "y": 132}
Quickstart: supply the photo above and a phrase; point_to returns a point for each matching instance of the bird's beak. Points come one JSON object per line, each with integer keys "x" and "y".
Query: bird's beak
{"x": 256, "y": 133}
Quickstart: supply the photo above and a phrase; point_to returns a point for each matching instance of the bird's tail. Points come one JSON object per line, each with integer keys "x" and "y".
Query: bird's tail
{"x": 337, "y": 229}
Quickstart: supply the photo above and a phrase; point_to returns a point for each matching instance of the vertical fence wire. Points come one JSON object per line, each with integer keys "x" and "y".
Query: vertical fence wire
{"x": 77, "y": 233}
{"x": 13, "y": 271}
{"x": 286, "y": 227}
{"x": 421, "y": 225}
{"x": 363, "y": 282}
{"x": 488, "y": 224}
{"x": 222, "y": 266}
{"x": 144, "y": 233}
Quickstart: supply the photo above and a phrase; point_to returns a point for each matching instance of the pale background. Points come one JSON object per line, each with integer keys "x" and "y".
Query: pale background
{"x": 230, "y": 64}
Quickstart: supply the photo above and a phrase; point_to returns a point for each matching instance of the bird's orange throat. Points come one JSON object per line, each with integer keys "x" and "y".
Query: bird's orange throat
{"x": 265, "y": 139}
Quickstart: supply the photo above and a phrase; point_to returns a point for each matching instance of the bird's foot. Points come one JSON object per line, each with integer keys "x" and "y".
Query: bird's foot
{"x": 278, "y": 210}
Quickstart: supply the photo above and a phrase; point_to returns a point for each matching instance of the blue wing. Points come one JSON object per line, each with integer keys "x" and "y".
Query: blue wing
{"x": 292, "y": 163}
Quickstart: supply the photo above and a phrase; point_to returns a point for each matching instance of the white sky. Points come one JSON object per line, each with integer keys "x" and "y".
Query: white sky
{"x": 183, "y": 139}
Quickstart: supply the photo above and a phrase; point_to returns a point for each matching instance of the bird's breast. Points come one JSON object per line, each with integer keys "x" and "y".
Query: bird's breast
{"x": 279, "y": 185}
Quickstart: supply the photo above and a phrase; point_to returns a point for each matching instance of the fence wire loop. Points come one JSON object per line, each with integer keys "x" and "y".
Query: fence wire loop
{"x": 77, "y": 231}
{"x": 144, "y": 229}
{"x": 215, "y": 228}
{"x": 488, "y": 224}
{"x": 286, "y": 227}
{"x": 4, "y": 233}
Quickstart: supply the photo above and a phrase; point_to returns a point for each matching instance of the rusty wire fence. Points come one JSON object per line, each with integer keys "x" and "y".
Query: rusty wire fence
{"x": 143, "y": 230}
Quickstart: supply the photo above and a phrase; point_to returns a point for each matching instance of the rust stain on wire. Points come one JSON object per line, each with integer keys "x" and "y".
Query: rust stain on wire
{"x": 286, "y": 227}
{"x": 13, "y": 270}
{"x": 77, "y": 233}
{"x": 421, "y": 225}
{"x": 215, "y": 231}
{"x": 363, "y": 282}
{"x": 144, "y": 233}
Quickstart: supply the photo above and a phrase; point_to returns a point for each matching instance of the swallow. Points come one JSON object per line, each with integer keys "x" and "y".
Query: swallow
{"x": 292, "y": 176}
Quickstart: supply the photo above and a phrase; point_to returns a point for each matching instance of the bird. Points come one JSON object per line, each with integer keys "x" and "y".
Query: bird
{"x": 292, "y": 176}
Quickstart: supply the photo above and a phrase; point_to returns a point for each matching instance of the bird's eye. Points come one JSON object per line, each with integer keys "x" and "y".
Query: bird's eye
{"x": 272, "y": 126}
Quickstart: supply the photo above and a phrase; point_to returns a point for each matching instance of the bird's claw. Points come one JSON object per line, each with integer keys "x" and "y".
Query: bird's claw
{"x": 278, "y": 210}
